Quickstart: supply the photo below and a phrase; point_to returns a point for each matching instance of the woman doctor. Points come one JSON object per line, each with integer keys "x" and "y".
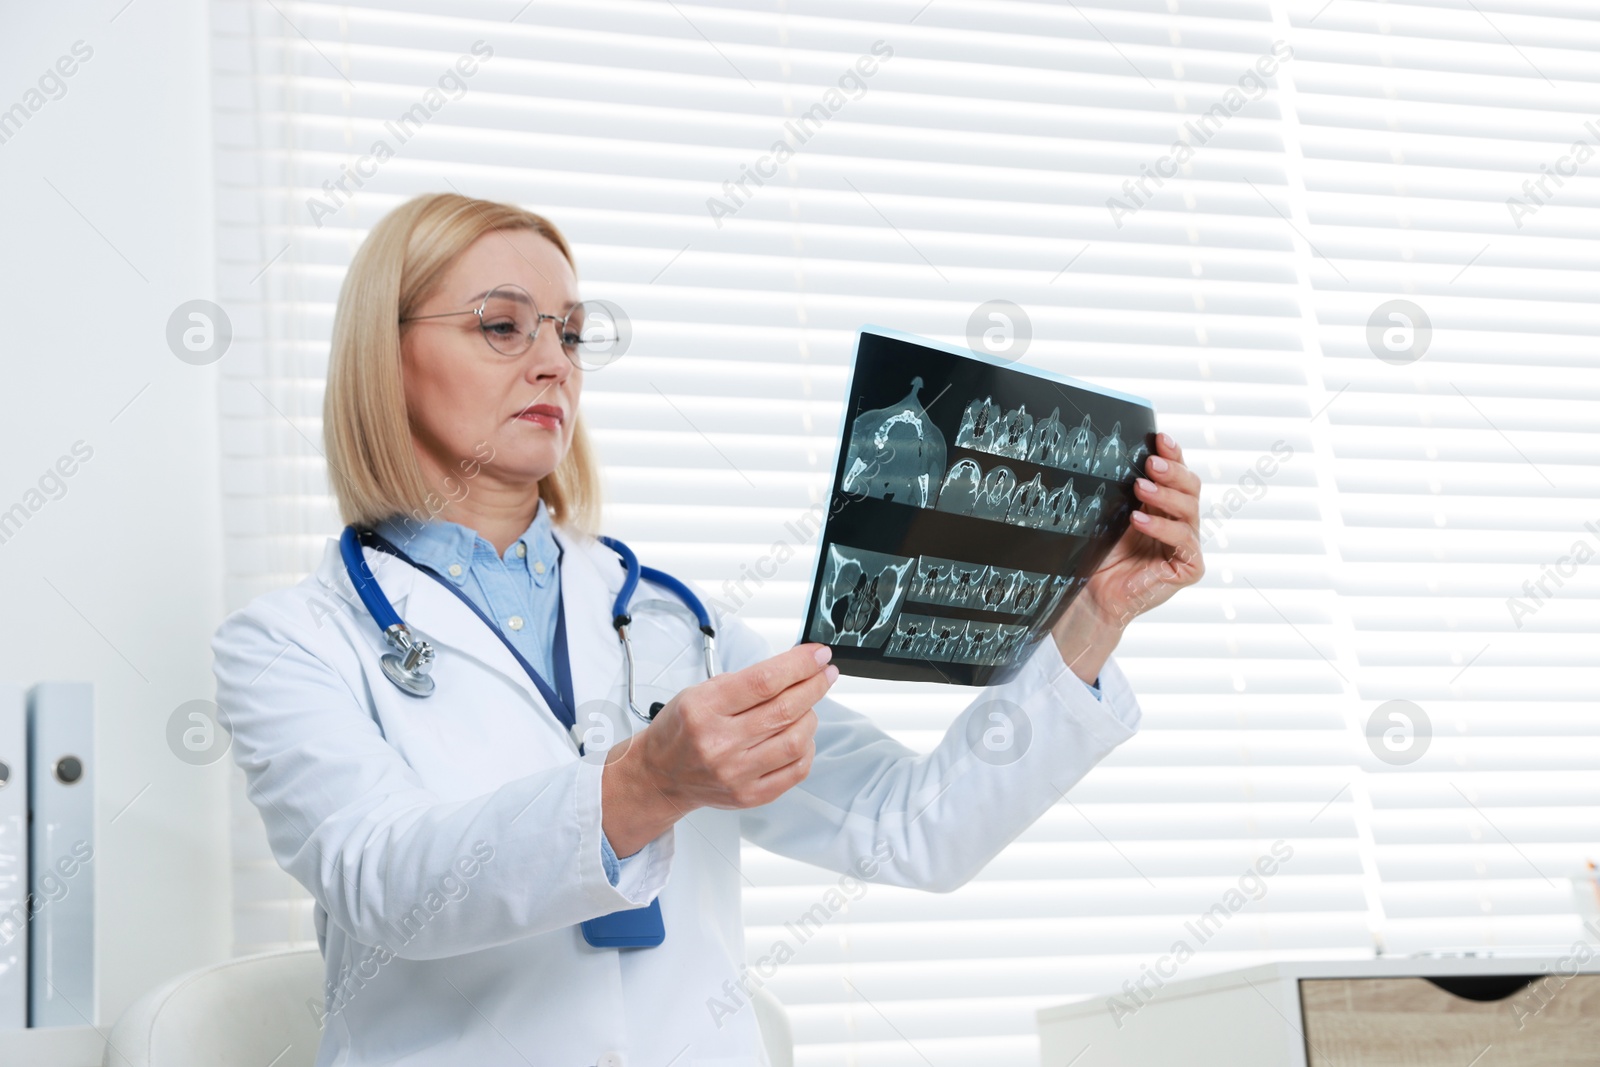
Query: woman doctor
{"x": 468, "y": 853}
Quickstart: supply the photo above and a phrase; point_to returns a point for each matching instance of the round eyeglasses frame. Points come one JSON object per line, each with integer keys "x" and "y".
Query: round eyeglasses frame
{"x": 585, "y": 353}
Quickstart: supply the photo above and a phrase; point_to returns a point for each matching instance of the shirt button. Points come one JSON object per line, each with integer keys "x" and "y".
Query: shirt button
{"x": 538, "y": 568}
{"x": 455, "y": 570}
{"x": 515, "y": 622}
{"x": 522, "y": 550}
{"x": 610, "y": 1059}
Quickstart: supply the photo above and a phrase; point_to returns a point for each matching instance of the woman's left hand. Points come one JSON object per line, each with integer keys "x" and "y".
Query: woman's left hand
{"x": 1156, "y": 556}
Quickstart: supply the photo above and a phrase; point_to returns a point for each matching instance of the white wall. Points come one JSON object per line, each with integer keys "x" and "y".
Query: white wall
{"x": 117, "y": 581}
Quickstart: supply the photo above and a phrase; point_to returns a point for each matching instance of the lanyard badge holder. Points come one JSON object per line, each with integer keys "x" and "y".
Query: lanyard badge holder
{"x": 632, "y": 927}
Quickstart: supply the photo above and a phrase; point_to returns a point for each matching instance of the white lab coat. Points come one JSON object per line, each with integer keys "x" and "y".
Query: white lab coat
{"x": 461, "y": 833}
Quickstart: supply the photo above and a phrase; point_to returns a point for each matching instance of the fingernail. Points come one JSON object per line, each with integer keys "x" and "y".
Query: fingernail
{"x": 1141, "y": 518}
{"x": 832, "y": 672}
{"x": 1167, "y": 440}
{"x": 1146, "y": 484}
{"x": 1158, "y": 464}
{"x": 824, "y": 654}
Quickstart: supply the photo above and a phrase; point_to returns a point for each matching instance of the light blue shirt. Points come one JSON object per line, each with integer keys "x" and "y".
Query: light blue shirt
{"x": 520, "y": 591}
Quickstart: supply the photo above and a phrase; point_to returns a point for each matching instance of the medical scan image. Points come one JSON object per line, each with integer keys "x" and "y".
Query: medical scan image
{"x": 1028, "y": 503}
{"x": 985, "y": 429}
{"x": 1049, "y": 447}
{"x": 958, "y": 493}
{"x": 896, "y": 453}
{"x": 860, "y": 592}
{"x": 965, "y": 496}
{"x": 979, "y": 423}
{"x": 994, "y": 497}
{"x": 1136, "y": 457}
{"x": 1089, "y": 520}
{"x": 1016, "y": 433}
{"x": 1080, "y": 449}
{"x": 1110, "y": 461}
{"x": 936, "y": 639}
{"x": 978, "y": 585}
{"x": 1013, "y": 434}
{"x": 1060, "y": 509}
{"x": 997, "y": 495}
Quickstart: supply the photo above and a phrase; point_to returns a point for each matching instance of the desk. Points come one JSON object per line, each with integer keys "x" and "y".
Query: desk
{"x": 1373, "y": 1013}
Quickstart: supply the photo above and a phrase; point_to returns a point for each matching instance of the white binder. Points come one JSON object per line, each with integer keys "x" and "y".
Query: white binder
{"x": 61, "y": 774}
{"x": 13, "y": 859}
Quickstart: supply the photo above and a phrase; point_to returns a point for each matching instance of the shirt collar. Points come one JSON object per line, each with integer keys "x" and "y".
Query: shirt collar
{"x": 441, "y": 544}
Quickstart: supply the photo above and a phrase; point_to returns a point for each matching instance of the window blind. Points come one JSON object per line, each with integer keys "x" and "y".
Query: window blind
{"x": 1203, "y": 203}
{"x": 1432, "y": 144}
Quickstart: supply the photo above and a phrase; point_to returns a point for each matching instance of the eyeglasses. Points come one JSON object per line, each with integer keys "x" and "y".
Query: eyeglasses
{"x": 593, "y": 334}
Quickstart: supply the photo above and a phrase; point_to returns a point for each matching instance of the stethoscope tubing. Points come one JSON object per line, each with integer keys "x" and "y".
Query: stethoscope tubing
{"x": 407, "y": 666}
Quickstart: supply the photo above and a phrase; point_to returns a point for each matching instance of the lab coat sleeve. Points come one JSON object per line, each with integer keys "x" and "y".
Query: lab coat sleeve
{"x": 387, "y": 859}
{"x": 873, "y": 807}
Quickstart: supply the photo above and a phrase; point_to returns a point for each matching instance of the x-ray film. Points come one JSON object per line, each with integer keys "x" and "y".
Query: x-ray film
{"x": 972, "y": 499}
{"x": 859, "y": 594}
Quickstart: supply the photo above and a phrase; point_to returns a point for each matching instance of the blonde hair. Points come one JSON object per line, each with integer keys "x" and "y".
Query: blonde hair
{"x": 372, "y": 464}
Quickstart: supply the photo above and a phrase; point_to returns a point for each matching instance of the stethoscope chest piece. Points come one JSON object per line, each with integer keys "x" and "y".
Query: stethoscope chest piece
{"x": 408, "y": 667}
{"x": 418, "y": 685}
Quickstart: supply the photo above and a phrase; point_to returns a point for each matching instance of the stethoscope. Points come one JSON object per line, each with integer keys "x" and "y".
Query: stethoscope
{"x": 408, "y": 665}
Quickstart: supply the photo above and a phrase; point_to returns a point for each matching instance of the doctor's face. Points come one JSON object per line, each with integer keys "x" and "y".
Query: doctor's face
{"x": 510, "y": 417}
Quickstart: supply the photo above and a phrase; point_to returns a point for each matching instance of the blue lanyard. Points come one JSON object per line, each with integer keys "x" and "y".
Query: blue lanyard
{"x": 560, "y": 699}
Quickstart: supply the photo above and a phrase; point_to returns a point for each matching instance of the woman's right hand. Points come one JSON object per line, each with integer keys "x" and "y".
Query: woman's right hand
{"x": 738, "y": 740}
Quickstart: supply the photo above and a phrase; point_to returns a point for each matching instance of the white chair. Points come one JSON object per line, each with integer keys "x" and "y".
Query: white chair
{"x": 228, "y": 1013}
{"x": 776, "y": 1035}
{"x": 257, "y": 1010}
